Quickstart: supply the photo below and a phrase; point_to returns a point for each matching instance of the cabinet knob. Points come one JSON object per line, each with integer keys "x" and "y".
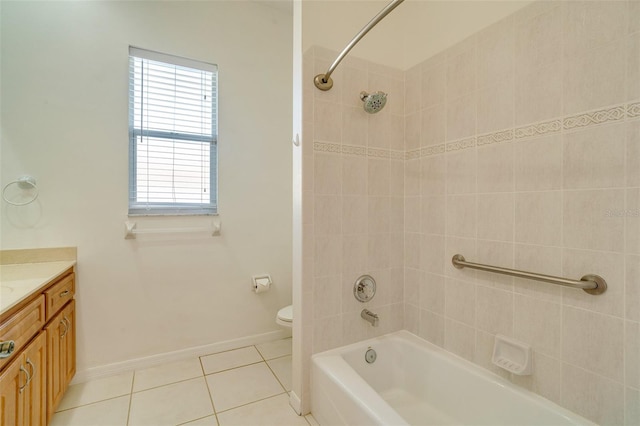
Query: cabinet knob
{"x": 6, "y": 348}
{"x": 64, "y": 293}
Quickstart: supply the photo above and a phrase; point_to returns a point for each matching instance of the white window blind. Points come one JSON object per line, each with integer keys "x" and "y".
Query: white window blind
{"x": 173, "y": 135}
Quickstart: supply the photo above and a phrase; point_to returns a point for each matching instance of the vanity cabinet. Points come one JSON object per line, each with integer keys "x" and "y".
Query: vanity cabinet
{"x": 34, "y": 377}
{"x": 23, "y": 387}
{"x": 61, "y": 353}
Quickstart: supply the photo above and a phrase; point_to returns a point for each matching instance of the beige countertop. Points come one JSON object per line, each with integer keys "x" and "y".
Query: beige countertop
{"x": 20, "y": 280}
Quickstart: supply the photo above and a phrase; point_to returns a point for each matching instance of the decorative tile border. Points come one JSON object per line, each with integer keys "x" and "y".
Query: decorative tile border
{"x": 538, "y": 129}
{"x": 502, "y": 136}
{"x": 378, "y": 153}
{"x": 360, "y": 151}
{"x": 412, "y": 155}
{"x": 396, "y": 155}
{"x": 433, "y": 150}
{"x": 595, "y": 117}
{"x": 327, "y": 147}
{"x": 461, "y": 144}
{"x": 607, "y": 115}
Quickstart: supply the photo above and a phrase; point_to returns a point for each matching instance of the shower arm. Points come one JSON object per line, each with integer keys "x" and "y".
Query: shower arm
{"x": 324, "y": 81}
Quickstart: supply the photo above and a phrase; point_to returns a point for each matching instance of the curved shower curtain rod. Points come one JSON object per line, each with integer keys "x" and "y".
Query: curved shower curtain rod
{"x": 324, "y": 81}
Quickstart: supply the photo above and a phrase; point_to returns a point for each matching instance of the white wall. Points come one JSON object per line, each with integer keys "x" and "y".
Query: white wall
{"x": 64, "y": 120}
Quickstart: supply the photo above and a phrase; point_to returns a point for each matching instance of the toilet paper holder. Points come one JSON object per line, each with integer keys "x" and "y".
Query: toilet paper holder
{"x": 261, "y": 283}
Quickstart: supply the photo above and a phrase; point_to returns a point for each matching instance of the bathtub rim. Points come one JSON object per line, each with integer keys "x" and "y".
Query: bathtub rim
{"x": 334, "y": 357}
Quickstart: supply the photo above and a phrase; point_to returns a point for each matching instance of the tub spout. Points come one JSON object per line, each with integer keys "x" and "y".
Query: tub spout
{"x": 370, "y": 316}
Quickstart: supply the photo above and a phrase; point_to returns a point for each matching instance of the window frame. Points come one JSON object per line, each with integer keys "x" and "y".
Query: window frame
{"x": 146, "y": 208}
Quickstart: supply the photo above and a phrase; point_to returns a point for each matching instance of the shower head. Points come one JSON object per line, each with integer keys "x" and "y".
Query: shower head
{"x": 373, "y": 102}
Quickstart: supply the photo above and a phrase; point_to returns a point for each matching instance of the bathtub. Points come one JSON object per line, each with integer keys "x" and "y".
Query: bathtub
{"x": 413, "y": 382}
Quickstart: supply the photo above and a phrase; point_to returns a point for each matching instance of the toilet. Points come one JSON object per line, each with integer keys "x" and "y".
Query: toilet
{"x": 285, "y": 316}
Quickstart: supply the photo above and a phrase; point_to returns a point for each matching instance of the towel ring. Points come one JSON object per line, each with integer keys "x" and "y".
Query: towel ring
{"x": 25, "y": 182}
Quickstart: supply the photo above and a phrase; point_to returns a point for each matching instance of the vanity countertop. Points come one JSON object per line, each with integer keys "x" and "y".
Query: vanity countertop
{"x": 20, "y": 280}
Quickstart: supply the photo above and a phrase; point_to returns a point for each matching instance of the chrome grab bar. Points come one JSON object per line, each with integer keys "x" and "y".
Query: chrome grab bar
{"x": 592, "y": 284}
{"x": 6, "y": 348}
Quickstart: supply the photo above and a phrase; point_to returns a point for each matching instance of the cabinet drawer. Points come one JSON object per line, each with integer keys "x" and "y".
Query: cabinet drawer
{"x": 58, "y": 295}
{"x": 22, "y": 326}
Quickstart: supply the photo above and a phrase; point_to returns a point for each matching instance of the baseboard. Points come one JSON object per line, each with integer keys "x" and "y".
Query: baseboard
{"x": 295, "y": 403}
{"x": 153, "y": 360}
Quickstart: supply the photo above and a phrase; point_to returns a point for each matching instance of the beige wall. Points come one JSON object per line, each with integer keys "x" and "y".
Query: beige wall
{"x": 415, "y": 30}
{"x": 522, "y": 148}
{"x": 64, "y": 120}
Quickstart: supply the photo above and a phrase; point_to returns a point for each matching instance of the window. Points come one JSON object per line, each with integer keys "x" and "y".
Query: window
{"x": 172, "y": 135}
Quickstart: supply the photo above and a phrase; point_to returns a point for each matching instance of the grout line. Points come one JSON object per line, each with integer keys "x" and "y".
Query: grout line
{"x": 253, "y": 402}
{"x": 166, "y": 384}
{"x": 91, "y": 403}
{"x": 233, "y": 368}
{"x": 133, "y": 379}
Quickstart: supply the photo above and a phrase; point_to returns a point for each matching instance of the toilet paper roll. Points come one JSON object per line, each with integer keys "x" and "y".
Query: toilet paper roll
{"x": 262, "y": 285}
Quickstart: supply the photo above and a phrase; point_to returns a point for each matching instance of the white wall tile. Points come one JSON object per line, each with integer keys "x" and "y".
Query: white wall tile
{"x": 596, "y": 78}
{"x": 461, "y": 172}
{"x": 632, "y": 354}
{"x": 496, "y": 105}
{"x": 433, "y": 178}
{"x": 461, "y": 215}
{"x": 632, "y": 221}
{"x": 538, "y": 163}
{"x": 432, "y": 293}
{"x": 588, "y": 24}
{"x": 633, "y": 153}
{"x": 543, "y": 260}
{"x": 538, "y": 218}
{"x": 496, "y": 216}
{"x": 460, "y": 301}
{"x": 538, "y": 323}
{"x": 632, "y": 288}
{"x": 495, "y": 168}
{"x": 432, "y": 215}
{"x": 459, "y": 339}
{"x": 598, "y": 399}
{"x": 461, "y": 116}
{"x": 589, "y": 222}
{"x": 432, "y": 125}
{"x": 433, "y": 86}
{"x": 594, "y": 342}
{"x": 494, "y": 310}
{"x": 594, "y": 157}
{"x": 432, "y": 327}
{"x": 497, "y": 253}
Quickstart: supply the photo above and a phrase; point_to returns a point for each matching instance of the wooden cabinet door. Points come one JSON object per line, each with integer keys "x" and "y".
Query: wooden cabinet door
{"x": 61, "y": 355}
{"x": 35, "y": 397}
{"x": 69, "y": 343}
{"x": 12, "y": 382}
{"x": 55, "y": 363}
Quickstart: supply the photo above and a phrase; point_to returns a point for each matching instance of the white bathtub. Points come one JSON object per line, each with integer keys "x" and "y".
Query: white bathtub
{"x": 413, "y": 382}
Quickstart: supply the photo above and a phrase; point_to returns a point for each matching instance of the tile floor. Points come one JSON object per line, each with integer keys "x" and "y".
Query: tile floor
{"x": 247, "y": 386}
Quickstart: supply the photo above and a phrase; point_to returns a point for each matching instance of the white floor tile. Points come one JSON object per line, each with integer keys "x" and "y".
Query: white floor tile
{"x": 272, "y": 411}
{"x": 230, "y": 359}
{"x": 282, "y": 369}
{"x": 207, "y": 421}
{"x": 96, "y": 390}
{"x": 312, "y": 420}
{"x": 167, "y": 373}
{"x": 171, "y": 404}
{"x": 275, "y": 349}
{"x": 112, "y": 412}
{"x": 243, "y": 385}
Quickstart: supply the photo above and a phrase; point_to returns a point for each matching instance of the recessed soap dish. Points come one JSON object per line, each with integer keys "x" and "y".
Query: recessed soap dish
{"x": 512, "y": 355}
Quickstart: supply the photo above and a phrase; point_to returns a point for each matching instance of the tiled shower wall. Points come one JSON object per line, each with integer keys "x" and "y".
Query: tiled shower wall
{"x": 523, "y": 151}
{"x": 353, "y": 199}
{"x": 518, "y": 147}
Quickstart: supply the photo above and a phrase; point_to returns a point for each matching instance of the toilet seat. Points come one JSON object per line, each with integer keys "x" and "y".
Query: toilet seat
{"x": 285, "y": 316}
